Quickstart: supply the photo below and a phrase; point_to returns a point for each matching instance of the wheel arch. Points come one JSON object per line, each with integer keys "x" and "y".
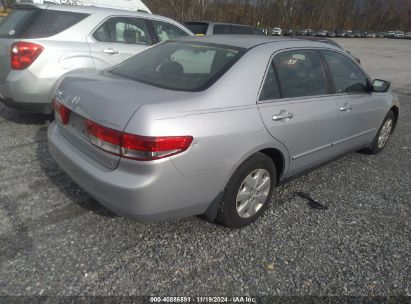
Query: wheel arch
{"x": 278, "y": 159}
{"x": 396, "y": 112}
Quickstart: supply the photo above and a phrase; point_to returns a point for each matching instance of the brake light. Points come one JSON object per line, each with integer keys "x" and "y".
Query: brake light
{"x": 136, "y": 147}
{"x": 106, "y": 139}
{"x": 62, "y": 112}
{"x": 23, "y": 54}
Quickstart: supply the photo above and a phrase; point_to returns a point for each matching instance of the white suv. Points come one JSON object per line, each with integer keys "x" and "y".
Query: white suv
{"x": 39, "y": 43}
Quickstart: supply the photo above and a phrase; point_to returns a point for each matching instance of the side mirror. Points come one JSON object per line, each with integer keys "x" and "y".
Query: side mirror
{"x": 380, "y": 86}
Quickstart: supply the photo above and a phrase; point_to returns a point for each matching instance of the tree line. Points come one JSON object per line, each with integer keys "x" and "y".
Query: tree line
{"x": 365, "y": 15}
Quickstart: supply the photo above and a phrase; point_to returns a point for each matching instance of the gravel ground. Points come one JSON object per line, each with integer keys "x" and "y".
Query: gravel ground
{"x": 55, "y": 240}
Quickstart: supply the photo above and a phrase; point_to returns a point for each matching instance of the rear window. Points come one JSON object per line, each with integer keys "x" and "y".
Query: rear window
{"x": 198, "y": 28}
{"x": 241, "y": 30}
{"x": 221, "y": 29}
{"x": 16, "y": 22}
{"x": 36, "y": 23}
{"x": 180, "y": 66}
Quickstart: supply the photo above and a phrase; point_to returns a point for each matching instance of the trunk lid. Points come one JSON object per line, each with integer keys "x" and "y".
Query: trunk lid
{"x": 105, "y": 99}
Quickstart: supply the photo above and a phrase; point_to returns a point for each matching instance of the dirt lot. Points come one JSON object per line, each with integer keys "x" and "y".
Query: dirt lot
{"x": 55, "y": 240}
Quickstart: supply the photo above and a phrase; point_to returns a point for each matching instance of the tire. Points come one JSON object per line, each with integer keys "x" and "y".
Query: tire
{"x": 387, "y": 128}
{"x": 236, "y": 212}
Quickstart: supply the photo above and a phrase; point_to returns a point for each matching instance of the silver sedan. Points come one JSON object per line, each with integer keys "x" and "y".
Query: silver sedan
{"x": 211, "y": 125}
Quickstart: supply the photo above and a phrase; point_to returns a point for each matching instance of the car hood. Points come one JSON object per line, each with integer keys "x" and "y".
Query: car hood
{"x": 108, "y": 99}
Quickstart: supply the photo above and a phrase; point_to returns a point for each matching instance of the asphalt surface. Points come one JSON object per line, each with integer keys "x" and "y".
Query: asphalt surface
{"x": 55, "y": 240}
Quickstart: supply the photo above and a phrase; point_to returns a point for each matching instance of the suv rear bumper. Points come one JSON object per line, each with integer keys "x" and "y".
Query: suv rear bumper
{"x": 24, "y": 91}
{"x": 29, "y": 107}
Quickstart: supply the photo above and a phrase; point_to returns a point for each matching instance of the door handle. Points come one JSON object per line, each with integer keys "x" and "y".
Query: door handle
{"x": 346, "y": 108}
{"x": 283, "y": 115}
{"x": 110, "y": 51}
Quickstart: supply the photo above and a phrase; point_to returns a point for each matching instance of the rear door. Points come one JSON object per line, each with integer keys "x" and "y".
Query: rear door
{"x": 359, "y": 111}
{"x": 164, "y": 31}
{"x": 117, "y": 39}
{"x": 297, "y": 109}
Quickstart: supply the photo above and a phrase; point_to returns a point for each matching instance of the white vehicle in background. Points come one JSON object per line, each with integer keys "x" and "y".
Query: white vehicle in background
{"x": 129, "y": 5}
{"x": 39, "y": 43}
{"x": 399, "y": 34}
{"x": 277, "y": 31}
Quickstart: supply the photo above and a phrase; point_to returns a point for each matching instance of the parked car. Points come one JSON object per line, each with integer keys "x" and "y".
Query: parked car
{"x": 407, "y": 35}
{"x": 328, "y": 41}
{"x": 182, "y": 148}
{"x": 60, "y": 39}
{"x": 399, "y": 34}
{"x": 356, "y": 34}
{"x": 309, "y": 32}
{"x": 390, "y": 34}
{"x": 341, "y": 34}
{"x": 277, "y": 31}
{"x": 331, "y": 34}
{"x": 349, "y": 34}
{"x": 371, "y": 35}
{"x": 322, "y": 33}
{"x": 201, "y": 28}
{"x": 299, "y": 32}
{"x": 289, "y": 32}
{"x": 380, "y": 35}
{"x": 130, "y": 5}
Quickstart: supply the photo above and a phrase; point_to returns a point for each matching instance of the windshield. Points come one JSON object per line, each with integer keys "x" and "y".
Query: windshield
{"x": 180, "y": 66}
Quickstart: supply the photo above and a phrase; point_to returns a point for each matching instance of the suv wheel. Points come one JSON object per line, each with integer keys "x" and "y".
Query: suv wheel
{"x": 248, "y": 192}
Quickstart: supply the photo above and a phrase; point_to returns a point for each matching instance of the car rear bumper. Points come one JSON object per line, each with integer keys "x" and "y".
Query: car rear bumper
{"x": 29, "y": 107}
{"x": 23, "y": 90}
{"x": 154, "y": 192}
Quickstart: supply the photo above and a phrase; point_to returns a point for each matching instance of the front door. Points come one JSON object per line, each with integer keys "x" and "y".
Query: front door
{"x": 360, "y": 111}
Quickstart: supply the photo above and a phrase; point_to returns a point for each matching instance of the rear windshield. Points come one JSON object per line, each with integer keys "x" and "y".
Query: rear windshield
{"x": 241, "y": 30}
{"x": 198, "y": 28}
{"x": 180, "y": 66}
{"x": 37, "y": 23}
{"x": 222, "y": 29}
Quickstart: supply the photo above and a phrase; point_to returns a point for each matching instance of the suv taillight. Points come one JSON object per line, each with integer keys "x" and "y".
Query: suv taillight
{"x": 23, "y": 54}
{"x": 62, "y": 112}
{"x": 135, "y": 146}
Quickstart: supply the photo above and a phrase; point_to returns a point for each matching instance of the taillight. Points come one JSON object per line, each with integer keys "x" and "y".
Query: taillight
{"x": 23, "y": 54}
{"x": 62, "y": 112}
{"x": 150, "y": 148}
{"x": 106, "y": 139}
{"x": 135, "y": 146}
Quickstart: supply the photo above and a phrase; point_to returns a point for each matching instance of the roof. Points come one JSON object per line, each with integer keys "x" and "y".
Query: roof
{"x": 246, "y": 41}
{"x": 217, "y": 23}
{"x": 83, "y": 9}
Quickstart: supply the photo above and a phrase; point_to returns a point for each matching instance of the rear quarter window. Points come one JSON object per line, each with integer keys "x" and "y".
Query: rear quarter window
{"x": 197, "y": 28}
{"x": 50, "y": 23}
{"x": 37, "y": 23}
{"x": 241, "y": 30}
{"x": 16, "y": 22}
{"x": 221, "y": 29}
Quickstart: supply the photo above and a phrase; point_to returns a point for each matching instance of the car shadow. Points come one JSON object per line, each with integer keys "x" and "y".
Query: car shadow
{"x": 22, "y": 117}
{"x": 63, "y": 182}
